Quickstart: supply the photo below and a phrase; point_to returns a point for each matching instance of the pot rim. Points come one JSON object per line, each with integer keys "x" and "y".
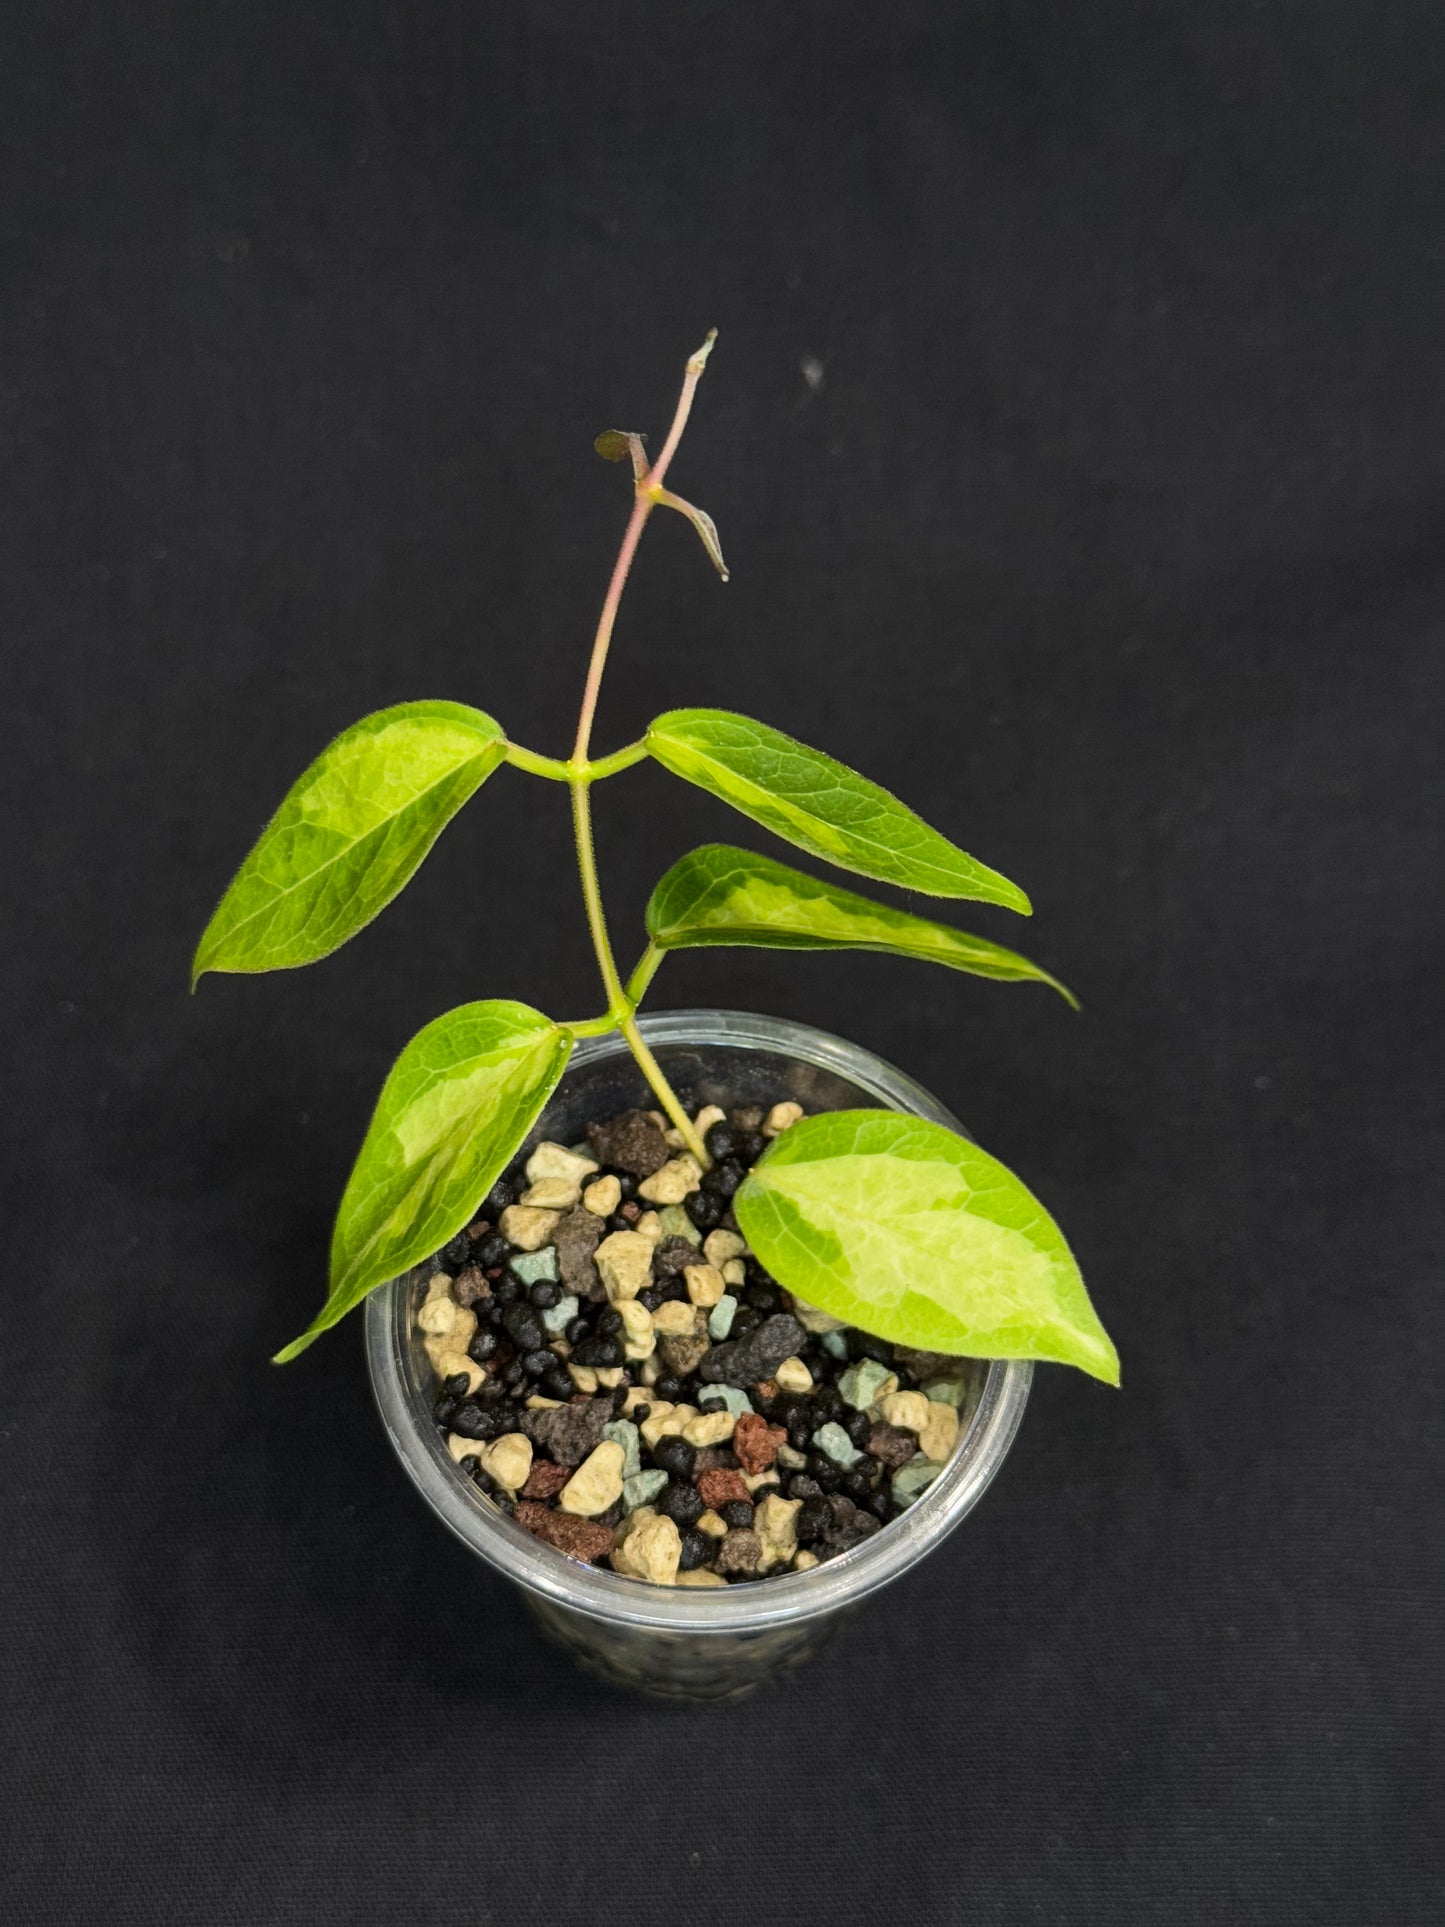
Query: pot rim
{"x": 405, "y": 1407}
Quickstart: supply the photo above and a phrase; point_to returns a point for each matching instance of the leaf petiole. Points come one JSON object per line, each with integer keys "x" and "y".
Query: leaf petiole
{"x": 648, "y": 966}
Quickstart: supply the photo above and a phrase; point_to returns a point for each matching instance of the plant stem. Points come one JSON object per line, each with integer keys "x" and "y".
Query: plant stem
{"x": 592, "y": 896}
{"x": 581, "y": 772}
{"x": 620, "y": 1010}
{"x": 649, "y": 488}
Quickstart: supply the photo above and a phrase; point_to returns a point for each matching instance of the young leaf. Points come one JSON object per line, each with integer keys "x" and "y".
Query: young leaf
{"x": 352, "y": 830}
{"x": 819, "y": 804}
{"x": 703, "y": 523}
{"x": 455, "y": 1106}
{"x": 723, "y": 895}
{"x": 907, "y": 1229}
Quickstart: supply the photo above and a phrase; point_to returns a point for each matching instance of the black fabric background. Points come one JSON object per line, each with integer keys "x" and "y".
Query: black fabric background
{"x": 1112, "y": 537}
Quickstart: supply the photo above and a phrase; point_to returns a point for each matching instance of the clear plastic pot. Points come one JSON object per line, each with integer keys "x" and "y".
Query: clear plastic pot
{"x": 705, "y": 1642}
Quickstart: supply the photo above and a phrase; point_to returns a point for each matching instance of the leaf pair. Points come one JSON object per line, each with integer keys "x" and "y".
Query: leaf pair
{"x": 357, "y": 824}
{"x": 884, "y": 1220}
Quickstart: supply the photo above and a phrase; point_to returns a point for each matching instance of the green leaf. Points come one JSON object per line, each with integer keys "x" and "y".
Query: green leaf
{"x": 911, "y": 1232}
{"x": 723, "y": 895}
{"x": 352, "y": 830}
{"x": 455, "y": 1106}
{"x": 819, "y": 804}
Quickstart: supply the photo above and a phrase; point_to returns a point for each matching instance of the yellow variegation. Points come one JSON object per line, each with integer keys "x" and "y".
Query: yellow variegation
{"x": 819, "y": 804}
{"x": 352, "y": 830}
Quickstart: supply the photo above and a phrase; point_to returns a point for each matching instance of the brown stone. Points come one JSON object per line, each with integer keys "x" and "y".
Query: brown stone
{"x": 756, "y": 1442}
{"x": 682, "y": 1356}
{"x": 581, "y": 1539}
{"x": 546, "y": 1479}
{"x": 576, "y": 1237}
{"x": 709, "y": 1457}
{"x": 891, "y": 1444}
{"x": 630, "y": 1143}
{"x": 569, "y": 1432}
{"x": 851, "y": 1524}
{"x": 470, "y": 1285}
{"x": 926, "y": 1365}
{"x": 672, "y": 1257}
{"x": 720, "y": 1488}
{"x": 740, "y": 1551}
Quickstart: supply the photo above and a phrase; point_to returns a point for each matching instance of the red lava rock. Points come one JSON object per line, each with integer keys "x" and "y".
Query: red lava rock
{"x": 545, "y": 1480}
{"x": 470, "y": 1286}
{"x": 891, "y": 1444}
{"x": 720, "y": 1488}
{"x": 581, "y": 1539}
{"x": 630, "y": 1143}
{"x": 756, "y": 1442}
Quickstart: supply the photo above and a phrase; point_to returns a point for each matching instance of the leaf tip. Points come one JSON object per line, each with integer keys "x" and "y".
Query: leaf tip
{"x": 1068, "y": 996}
{"x": 294, "y": 1350}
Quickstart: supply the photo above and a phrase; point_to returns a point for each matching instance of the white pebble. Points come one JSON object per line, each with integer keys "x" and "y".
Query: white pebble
{"x": 603, "y": 1197}
{"x": 940, "y": 1435}
{"x": 556, "y": 1161}
{"x": 720, "y": 1245}
{"x": 907, "y": 1410}
{"x": 639, "y": 1339}
{"x": 793, "y": 1376}
{"x": 781, "y": 1118}
{"x": 710, "y": 1428}
{"x": 527, "y": 1227}
{"x": 672, "y": 1183}
{"x": 508, "y": 1460}
{"x": 649, "y": 1547}
{"x": 597, "y": 1482}
{"x": 678, "y": 1319}
{"x": 452, "y": 1364}
{"x": 776, "y": 1523}
{"x": 704, "y": 1284}
{"x": 624, "y": 1261}
{"x": 551, "y": 1194}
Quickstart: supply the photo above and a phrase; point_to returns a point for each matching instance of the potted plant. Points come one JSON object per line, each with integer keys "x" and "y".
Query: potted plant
{"x": 698, "y": 1327}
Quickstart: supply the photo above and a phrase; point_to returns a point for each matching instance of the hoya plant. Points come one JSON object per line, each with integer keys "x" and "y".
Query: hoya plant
{"x": 886, "y": 1221}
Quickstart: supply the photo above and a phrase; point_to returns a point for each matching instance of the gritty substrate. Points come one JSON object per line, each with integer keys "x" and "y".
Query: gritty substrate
{"x": 620, "y": 1374}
